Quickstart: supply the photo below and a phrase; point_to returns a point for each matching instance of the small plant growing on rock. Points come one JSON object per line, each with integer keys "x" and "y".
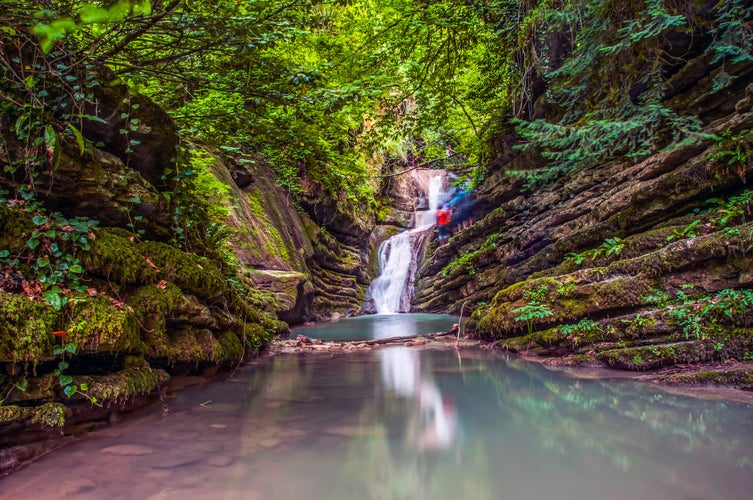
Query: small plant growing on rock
{"x": 530, "y": 313}
{"x": 586, "y": 329}
{"x": 688, "y": 231}
{"x": 612, "y": 246}
{"x": 534, "y": 309}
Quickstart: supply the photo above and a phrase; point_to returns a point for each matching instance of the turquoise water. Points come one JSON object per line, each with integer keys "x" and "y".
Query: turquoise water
{"x": 408, "y": 423}
{"x": 378, "y": 326}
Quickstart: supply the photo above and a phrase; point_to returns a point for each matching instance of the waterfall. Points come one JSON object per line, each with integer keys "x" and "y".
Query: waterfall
{"x": 392, "y": 290}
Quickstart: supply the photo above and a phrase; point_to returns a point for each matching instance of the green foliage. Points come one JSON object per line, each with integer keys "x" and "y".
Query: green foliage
{"x": 66, "y": 381}
{"x": 586, "y": 330}
{"x": 702, "y": 317}
{"x": 531, "y": 312}
{"x": 689, "y": 231}
{"x": 466, "y": 260}
{"x": 733, "y": 211}
{"x": 609, "y": 86}
{"x": 732, "y": 150}
{"x": 51, "y": 255}
{"x": 610, "y": 247}
{"x": 658, "y": 297}
{"x": 732, "y": 38}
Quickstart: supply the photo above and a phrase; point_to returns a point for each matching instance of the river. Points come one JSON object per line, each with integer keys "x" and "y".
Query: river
{"x": 408, "y": 423}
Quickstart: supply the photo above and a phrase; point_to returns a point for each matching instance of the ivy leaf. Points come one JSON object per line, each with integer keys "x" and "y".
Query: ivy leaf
{"x": 79, "y": 138}
{"x": 22, "y": 384}
{"x": 70, "y": 390}
{"x": 65, "y": 380}
{"x": 52, "y": 141}
{"x": 54, "y": 298}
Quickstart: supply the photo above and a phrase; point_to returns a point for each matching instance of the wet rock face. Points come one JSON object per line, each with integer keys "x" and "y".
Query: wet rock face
{"x": 144, "y": 121}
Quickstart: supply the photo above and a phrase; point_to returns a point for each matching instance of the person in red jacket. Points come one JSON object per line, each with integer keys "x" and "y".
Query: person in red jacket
{"x": 443, "y": 224}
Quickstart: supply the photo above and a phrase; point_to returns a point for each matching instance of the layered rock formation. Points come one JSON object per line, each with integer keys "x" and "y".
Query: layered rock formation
{"x": 633, "y": 265}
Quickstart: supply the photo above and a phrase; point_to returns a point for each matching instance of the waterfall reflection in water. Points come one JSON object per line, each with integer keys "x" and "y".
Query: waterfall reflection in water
{"x": 347, "y": 427}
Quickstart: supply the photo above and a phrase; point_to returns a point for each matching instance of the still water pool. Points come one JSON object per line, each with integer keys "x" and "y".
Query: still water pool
{"x": 378, "y": 326}
{"x": 407, "y": 423}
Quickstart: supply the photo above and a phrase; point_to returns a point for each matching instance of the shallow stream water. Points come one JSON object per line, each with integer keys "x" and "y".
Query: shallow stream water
{"x": 407, "y": 423}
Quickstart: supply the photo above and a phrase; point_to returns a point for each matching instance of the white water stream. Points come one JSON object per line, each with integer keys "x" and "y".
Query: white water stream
{"x": 392, "y": 290}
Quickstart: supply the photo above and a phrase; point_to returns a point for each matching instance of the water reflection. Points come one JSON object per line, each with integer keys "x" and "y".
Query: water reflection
{"x": 409, "y": 424}
{"x": 432, "y": 421}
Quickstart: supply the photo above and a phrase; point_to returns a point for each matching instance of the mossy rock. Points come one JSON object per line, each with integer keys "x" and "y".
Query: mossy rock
{"x": 659, "y": 356}
{"x": 192, "y": 273}
{"x": 14, "y": 226}
{"x": 199, "y": 345}
{"x": 48, "y": 414}
{"x": 741, "y": 378}
{"x": 25, "y": 329}
{"x": 151, "y": 305}
{"x": 114, "y": 257}
{"x": 547, "y": 338}
{"x": 136, "y": 380}
{"x": 99, "y": 325}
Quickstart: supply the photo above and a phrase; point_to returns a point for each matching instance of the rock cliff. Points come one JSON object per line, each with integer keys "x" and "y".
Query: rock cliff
{"x": 634, "y": 265}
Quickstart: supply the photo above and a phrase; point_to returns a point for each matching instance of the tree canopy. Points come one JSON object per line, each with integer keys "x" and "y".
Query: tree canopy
{"x": 327, "y": 90}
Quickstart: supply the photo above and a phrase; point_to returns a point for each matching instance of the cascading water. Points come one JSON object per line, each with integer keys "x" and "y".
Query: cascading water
{"x": 392, "y": 290}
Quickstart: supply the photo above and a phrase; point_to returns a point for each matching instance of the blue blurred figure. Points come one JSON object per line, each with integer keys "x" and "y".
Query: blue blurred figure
{"x": 462, "y": 207}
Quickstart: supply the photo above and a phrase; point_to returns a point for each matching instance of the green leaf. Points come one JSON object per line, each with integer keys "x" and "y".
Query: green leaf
{"x": 65, "y": 380}
{"x": 76, "y": 269}
{"x": 70, "y": 390}
{"x": 56, "y": 300}
{"x": 79, "y": 138}
{"x": 71, "y": 348}
{"x": 90, "y": 14}
{"x": 21, "y": 125}
{"x": 43, "y": 262}
{"x": 52, "y": 141}
{"x": 62, "y": 365}
{"x": 83, "y": 387}
{"x": 58, "y": 350}
{"x": 22, "y": 384}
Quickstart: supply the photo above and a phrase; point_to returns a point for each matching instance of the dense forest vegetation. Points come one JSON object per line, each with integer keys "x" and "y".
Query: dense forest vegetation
{"x": 333, "y": 97}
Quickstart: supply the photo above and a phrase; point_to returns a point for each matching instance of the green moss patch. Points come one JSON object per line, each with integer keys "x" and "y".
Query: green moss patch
{"x": 114, "y": 257}
{"x": 192, "y": 273}
{"x": 25, "y": 328}
{"x": 741, "y": 378}
{"x": 49, "y": 414}
{"x": 199, "y": 345}
{"x": 98, "y": 325}
{"x": 117, "y": 387}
